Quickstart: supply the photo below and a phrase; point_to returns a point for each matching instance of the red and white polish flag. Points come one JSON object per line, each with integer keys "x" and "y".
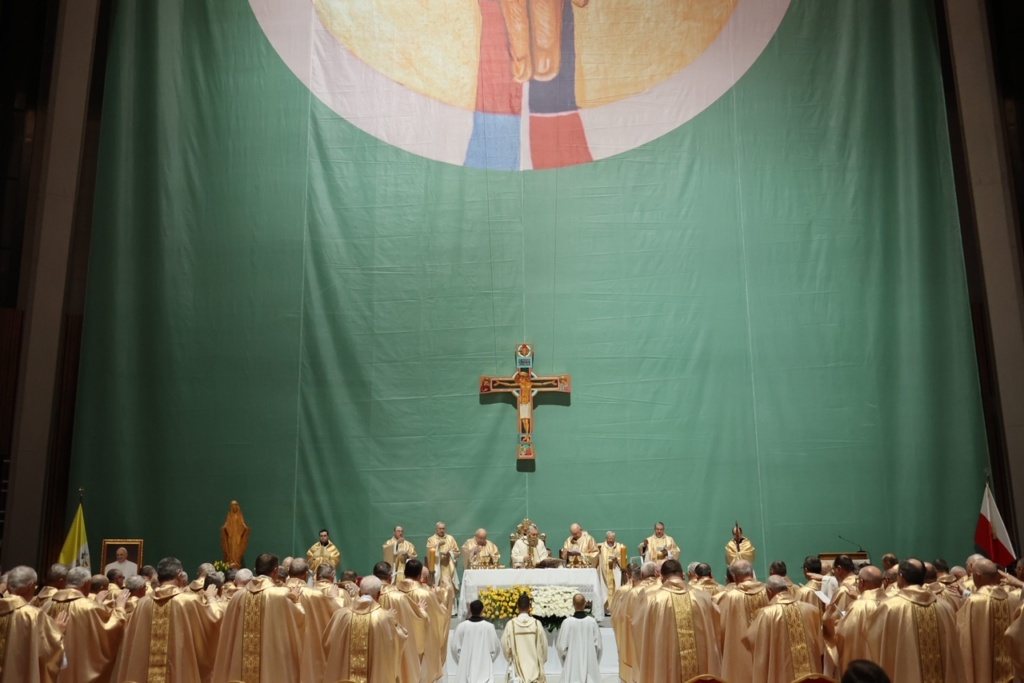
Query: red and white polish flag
{"x": 990, "y": 536}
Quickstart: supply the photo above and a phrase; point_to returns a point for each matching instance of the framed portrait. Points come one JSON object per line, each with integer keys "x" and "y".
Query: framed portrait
{"x": 121, "y": 553}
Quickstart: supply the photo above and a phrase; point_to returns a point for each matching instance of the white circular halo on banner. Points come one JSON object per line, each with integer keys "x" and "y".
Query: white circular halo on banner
{"x": 427, "y": 127}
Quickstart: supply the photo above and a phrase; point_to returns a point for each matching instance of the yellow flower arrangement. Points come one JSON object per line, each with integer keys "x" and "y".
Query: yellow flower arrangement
{"x": 500, "y": 603}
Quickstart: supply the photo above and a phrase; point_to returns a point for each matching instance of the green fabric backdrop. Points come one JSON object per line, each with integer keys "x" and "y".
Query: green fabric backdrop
{"x": 764, "y": 312}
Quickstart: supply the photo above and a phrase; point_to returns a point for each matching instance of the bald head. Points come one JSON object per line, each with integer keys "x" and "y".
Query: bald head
{"x": 870, "y": 577}
{"x": 986, "y": 573}
{"x": 930, "y": 574}
{"x": 579, "y": 603}
{"x": 971, "y": 560}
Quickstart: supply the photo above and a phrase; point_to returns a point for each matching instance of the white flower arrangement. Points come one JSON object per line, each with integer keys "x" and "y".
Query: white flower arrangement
{"x": 552, "y": 601}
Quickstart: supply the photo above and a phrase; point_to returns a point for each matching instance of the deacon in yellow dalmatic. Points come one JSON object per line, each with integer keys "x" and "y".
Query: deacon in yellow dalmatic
{"x": 620, "y": 624}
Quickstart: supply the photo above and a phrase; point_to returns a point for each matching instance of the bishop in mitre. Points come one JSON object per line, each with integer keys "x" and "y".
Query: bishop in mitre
{"x": 660, "y": 546}
{"x": 33, "y": 650}
{"x": 579, "y": 550}
{"x": 678, "y": 631}
{"x": 609, "y": 563}
{"x": 93, "y": 632}
{"x": 784, "y": 639}
{"x": 398, "y": 550}
{"x": 443, "y": 551}
{"x": 323, "y": 552}
{"x": 739, "y": 547}
{"x": 172, "y": 634}
{"x": 525, "y": 645}
{"x": 364, "y": 643}
{"x": 529, "y": 550}
{"x": 261, "y": 634}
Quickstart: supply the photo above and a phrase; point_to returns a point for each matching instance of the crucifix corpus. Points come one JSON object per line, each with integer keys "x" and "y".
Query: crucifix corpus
{"x": 524, "y": 385}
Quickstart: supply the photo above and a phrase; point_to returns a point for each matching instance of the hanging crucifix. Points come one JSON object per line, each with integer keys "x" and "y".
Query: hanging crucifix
{"x": 525, "y": 385}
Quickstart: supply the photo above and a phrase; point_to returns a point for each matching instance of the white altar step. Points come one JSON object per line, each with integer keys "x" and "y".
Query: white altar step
{"x": 553, "y": 668}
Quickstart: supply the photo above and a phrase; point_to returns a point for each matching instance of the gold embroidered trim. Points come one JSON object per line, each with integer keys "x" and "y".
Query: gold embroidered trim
{"x": 5, "y": 626}
{"x": 159, "y": 637}
{"x": 252, "y": 635}
{"x": 688, "y": 664}
{"x": 359, "y": 648}
{"x": 928, "y": 643}
{"x": 798, "y": 637}
{"x": 1002, "y": 666}
{"x": 754, "y": 603}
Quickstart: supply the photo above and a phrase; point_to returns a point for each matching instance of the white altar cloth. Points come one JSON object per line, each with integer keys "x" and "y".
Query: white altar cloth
{"x": 585, "y": 581}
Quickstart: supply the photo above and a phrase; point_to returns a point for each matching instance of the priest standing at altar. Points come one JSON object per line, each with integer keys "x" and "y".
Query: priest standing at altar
{"x": 398, "y": 550}
{"x": 443, "y": 553}
{"x": 611, "y": 560}
{"x": 660, "y": 546}
{"x": 579, "y": 550}
{"x": 479, "y": 553}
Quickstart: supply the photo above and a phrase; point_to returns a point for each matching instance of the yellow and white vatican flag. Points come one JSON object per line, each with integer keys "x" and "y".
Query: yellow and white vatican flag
{"x": 75, "y": 552}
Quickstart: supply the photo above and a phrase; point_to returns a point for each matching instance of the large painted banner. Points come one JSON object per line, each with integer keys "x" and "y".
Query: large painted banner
{"x": 730, "y": 222}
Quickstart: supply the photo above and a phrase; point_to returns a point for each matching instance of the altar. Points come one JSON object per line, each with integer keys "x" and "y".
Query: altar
{"x": 584, "y": 581}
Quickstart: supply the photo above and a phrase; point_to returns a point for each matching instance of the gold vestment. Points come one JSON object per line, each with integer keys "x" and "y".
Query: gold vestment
{"x": 913, "y": 637}
{"x": 982, "y": 622}
{"x": 31, "y": 645}
{"x": 171, "y": 638}
{"x": 784, "y": 640}
{"x": 261, "y": 636}
{"x": 738, "y": 607}
{"x": 363, "y": 644}
{"x": 92, "y": 638}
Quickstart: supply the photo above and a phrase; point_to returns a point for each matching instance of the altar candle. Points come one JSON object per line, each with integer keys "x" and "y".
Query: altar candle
{"x": 431, "y": 559}
{"x": 623, "y": 557}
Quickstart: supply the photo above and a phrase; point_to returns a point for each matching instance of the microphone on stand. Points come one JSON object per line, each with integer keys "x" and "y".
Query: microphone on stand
{"x": 860, "y": 548}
